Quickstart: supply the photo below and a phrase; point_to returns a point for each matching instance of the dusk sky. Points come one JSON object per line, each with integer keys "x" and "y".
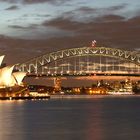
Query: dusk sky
{"x": 29, "y": 28}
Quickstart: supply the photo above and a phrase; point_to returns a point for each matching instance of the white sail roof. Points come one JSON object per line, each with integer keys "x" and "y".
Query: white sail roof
{"x": 1, "y": 59}
{"x": 12, "y": 81}
{"x": 19, "y": 76}
{"x": 6, "y": 76}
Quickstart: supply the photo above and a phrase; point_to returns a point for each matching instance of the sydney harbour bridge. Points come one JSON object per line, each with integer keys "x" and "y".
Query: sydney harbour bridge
{"x": 84, "y": 61}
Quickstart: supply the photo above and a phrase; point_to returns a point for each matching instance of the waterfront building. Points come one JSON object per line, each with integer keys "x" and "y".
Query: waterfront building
{"x": 11, "y": 82}
{"x": 97, "y": 90}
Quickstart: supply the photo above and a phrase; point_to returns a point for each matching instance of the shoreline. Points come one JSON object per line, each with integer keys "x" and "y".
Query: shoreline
{"x": 90, "y": 96}
{"x": 70, "y": 97}
{"x": 25, "y": 98}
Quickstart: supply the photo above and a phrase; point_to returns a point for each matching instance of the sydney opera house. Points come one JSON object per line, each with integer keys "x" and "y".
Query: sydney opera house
{"x": 11, "y": 84}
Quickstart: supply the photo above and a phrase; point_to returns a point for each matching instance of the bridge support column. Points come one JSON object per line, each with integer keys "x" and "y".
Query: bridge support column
{"x": 57, "y": 84}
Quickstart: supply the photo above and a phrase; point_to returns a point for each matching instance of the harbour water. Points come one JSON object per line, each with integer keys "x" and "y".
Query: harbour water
{"x": 106, "y": 118}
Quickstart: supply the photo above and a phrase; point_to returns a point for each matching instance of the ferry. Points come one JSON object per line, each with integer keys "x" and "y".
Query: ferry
{"x": 120, "y": 93}
{"x": 41, "y": 95}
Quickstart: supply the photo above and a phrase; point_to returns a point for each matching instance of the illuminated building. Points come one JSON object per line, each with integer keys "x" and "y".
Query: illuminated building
{"x": 19, "y": 77}
{"x": 1, "y": 59}
{"x": 11, "y": 83}
{"x": 97, "y": 90}
{"x": 8, "y": 79}
{"x": 76, "y": 90}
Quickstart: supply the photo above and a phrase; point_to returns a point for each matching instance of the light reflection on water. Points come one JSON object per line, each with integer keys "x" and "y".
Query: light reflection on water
{"x": 11, "y": 119}
{"x": 73, "y": 119}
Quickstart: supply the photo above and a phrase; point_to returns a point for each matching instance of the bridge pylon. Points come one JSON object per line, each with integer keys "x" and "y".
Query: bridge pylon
{"x": 57, "y": 84}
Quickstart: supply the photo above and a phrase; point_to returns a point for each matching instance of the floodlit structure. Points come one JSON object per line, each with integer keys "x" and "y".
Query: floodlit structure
{"x": 1, "y": 59}
{"x": 19, "y": 76}
{"x": 11, "y": 86}
{"x": 8, "y": 78}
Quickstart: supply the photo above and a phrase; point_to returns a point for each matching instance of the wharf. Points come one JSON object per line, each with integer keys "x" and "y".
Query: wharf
{"x": 25, "y": 98}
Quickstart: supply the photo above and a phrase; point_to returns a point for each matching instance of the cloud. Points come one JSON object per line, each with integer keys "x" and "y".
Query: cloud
{"x": 36, "y": 31}
{"x": 86, "y": 9}
{"x": 103, "y": 24}
{"x": 62, "y": 23}
{"x": 11, "y": 1}
{"x": 55, "y": 2}
{"x": 14, "y": 7}
{"x": 119, "y": 34}
{"x": 88, "y": 14}
{"x": 75, "y": 28}
{"x": 109, "y": 18}
{"x": 24, "y": 49}
{"x": 135, "y": 19}
{"x": 49, "y": 1}
{"x": 112, "y": 30}
{"x": 92, "y": 10}
{"x": 37, "y": 15}
{"x": 33, "y": 26}
{"x": 70, "y": 24}
{"x": 118, "y": 7}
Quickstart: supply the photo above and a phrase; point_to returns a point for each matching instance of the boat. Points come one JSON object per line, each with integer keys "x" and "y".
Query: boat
{"x": 120, "y": 93}
{"x": 125, "y": 88}
{"x": 39, "y": 95}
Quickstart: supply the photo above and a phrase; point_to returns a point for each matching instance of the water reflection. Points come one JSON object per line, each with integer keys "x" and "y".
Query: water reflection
{"x": 114, "y": 119}
{"x": 11, "y": 120}
{"x": 98, "y": 119}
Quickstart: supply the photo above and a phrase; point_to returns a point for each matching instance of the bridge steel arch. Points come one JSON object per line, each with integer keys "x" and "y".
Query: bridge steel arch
{"x": 35, "y": 63}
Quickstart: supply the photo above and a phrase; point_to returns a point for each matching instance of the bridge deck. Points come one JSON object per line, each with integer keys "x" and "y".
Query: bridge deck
{"x": 76, "y": 75}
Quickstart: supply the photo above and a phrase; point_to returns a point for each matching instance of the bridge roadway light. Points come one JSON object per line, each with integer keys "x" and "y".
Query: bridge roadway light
{"x": 61, "y": 72}
{"x": 80, "y": 72}
{"x": 68, "y": 71}
{"x": 87, "y": 71}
